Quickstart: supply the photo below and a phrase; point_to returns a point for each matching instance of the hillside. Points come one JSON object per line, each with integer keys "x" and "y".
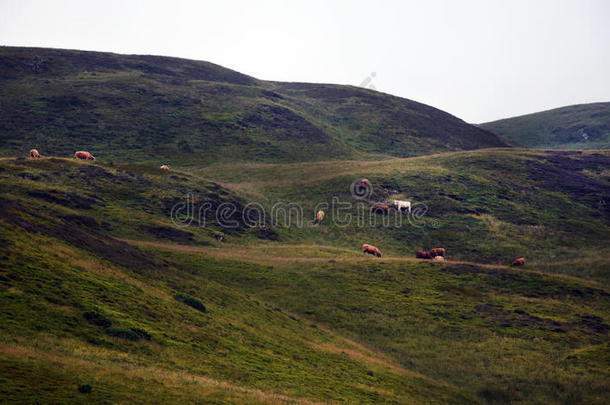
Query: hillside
{"x": 102, "y": 293}
{"x": 486, "y": 206}
{"x": 583, "y": 126}
{"x": 154, "y": 110}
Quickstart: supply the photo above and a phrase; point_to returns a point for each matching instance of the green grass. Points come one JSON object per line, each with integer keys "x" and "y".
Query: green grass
{"x": 240, "y": 340}
{"x": 482, "y": 329}
{"x": 487, "y": 206}
{"x": 300, "y": 315}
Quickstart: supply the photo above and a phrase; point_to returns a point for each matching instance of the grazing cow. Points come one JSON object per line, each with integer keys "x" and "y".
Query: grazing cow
{"x": 319, "y": 216}
{"x": 165, "y": 167}
{"x": 402, "y": 205}
{"x": 420, "y": 254}
{"x": 519, "y": 262}
{"x": 83, "y": 155}
{"x": 34, "y": 154}
{"x": 370, "y": 249}
{"x": 437, "y": 252}
{"x": 438, "y": 259}
{"x": 380, "y": 209}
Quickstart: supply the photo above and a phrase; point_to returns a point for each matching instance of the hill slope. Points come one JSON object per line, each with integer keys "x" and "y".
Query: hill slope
{"x": 486, "y": 206}
{"x": 100, "y": 291}
{"x": 151, "y": 109}
{"x": 583, "y": 126}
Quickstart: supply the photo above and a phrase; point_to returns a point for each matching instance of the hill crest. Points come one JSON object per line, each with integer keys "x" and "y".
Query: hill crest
{"x": 150, "y": 108}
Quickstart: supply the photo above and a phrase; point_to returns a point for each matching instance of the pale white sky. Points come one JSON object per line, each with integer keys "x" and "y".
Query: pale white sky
{"x": 479, "y": 60}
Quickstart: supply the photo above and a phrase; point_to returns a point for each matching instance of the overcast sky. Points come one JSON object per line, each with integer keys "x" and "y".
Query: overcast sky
{"x": 479, "y": 60}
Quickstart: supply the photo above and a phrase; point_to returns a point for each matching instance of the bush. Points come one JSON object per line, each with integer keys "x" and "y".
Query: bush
{"x": 97, "y": 319}
{"x": 142, "y": 333}
{"x": 191, "y": 301}
{"x": 124, "y": 333}
{"x": 84, "y": 388}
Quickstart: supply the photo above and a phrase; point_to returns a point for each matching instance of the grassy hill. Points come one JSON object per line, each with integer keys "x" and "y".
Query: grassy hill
{"x": 102, "y": 293}
{"x": 156, "y": 110}
{"x": 210, "y": 283}
{"x": 486, "y": 206}
{"x": 583, "y": 126}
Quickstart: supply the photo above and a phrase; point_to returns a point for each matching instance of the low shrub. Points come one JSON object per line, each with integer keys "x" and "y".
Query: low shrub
{"x": 142, "y": 333}
{"x": 97, "y": 319}
{"x": 124, "y": 333}
{"x": 191, "y": 301}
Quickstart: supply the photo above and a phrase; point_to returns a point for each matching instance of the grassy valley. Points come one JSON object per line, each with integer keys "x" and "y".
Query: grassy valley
{"x": 100, "y": 290}
{"x": 211, "y": 282}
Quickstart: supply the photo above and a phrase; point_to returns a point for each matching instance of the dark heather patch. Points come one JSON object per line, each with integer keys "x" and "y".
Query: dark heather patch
{"x": 212, "y": 209}
{"x": 561, "y": 173}
{"x": 71, "y": 200}
{"x": 95, "y": 172}
{"x": 497, "y": 315}
{"x": 114, "y": 251}
{"x": 83, "y": 220}
{"x": 283, "y": 124}
{"x": 595, "y": 324}
{"x": 512, "y": 282}
{"x": 169, "y": 233}
{"x": 265, "y": 232}
{"x": 463, "y": 269}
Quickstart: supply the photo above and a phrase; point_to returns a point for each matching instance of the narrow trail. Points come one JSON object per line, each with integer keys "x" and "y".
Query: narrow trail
{"x": 268, "y": 254}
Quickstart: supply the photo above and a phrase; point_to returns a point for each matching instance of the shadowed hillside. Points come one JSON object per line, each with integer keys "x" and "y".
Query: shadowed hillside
{"x": 150, "y": 109}
{"x": 583, "y": 126}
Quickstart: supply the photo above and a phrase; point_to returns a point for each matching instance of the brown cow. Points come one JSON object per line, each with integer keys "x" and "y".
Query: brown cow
{"x": 437, "y": 252}
{"x": 319, "y": 216}
{"x": 83, "y": 155}
{"x": 370, "y": 249}
{"x": 420, "y": 254}
{"x": 165, "y": 167}
{"x": 519, "y": 262}
{"x": 34, "y": 154}
{"x": 380, "y": 209}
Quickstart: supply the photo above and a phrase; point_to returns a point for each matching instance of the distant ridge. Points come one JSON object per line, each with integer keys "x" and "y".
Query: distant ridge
{"x": 581, "y": 126}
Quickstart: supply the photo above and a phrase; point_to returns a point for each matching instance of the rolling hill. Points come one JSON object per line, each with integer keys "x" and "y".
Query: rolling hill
{"x": 583, "y": 126}
{"x": 210, "y": 283}
{"x": 105, "y": 299}
{"x": 151, "y": 109}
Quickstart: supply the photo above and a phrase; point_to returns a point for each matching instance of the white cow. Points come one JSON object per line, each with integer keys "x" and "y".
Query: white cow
{"x": 402, "y": 205}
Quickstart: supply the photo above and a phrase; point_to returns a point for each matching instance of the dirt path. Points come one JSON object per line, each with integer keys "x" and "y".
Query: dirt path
{"x": 266, "y": 254}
